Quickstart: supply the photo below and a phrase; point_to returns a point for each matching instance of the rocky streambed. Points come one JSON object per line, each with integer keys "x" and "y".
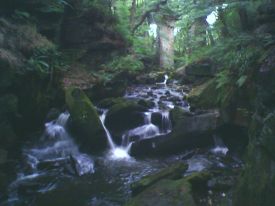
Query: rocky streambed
{"x": 145, "y": 148}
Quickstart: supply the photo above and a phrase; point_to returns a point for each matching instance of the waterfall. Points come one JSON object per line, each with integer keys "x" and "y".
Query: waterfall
{"x": 166, "y": 122}
{"x": 109, "y": 137}
{"x": 165, "y": 80}
{"x": 115, "y": 153}
{"x": 58, "y": 148}
{"x": 220, "y": 147}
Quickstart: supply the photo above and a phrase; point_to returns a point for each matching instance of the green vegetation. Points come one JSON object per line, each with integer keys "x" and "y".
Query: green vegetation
{"x": 223, "y": 49}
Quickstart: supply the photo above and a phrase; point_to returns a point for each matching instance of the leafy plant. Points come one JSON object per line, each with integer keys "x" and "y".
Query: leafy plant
{"x": 127, "y": 63}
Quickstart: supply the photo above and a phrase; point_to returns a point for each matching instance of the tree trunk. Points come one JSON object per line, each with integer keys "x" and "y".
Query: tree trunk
{"x": 221, "y": 18}
{"x": 165, "y": 49}
{"x": 133, "y": 14}
{"x": 244, "y": 18}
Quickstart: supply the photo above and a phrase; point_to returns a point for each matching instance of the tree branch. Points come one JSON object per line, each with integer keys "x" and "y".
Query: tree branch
{"x": 147, "y": 14}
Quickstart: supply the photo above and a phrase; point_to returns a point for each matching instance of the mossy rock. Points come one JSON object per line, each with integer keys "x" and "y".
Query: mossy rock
{"x": 8, "y": 137}
{"x": 177, "y": 114}
{"x": 256, "y": 184}
{"x": 146, "y": 103}
{"x": 85, "y": 123}
{"x": 204, "y": 96}
{"x": 3, "y": 156}
{"x": 173, "y": 172}
{"x": 204, "y": 67}
{"x": 165, "y": 192}
{"x": 172, "y": 192}
{"x": 124, "y": 116}
{"x": 8, "y": 106}
{"x": 109, "y": 102}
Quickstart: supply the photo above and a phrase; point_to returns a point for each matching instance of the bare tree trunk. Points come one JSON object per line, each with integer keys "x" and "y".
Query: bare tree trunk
{"x": 133, "y": 14}
{"x": 165, "y": 49}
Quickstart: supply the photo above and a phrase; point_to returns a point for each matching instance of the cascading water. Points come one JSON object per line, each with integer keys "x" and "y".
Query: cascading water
{"x": 57, "y": 145}
{"x": 166, "y": 122}
{"x": 220, "y": 147}
{"x": 48, "y": 174}
{"x": 115, "y": 153}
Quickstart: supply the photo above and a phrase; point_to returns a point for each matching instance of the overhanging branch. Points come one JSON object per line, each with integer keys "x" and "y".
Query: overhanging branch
{"x": 147, "y": 14}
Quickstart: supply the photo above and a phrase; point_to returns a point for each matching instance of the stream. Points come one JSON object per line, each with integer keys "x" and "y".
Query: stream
{"x": 54, "y": 172}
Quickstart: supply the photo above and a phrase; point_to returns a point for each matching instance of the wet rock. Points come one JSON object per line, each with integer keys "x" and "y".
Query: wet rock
{"x": 242, "y": 117}
{"x": 204, "y": 95}
{"x": 172, "y": 192}
{"x": 85, "y": 124}
{"x": 52, "y": 114}
{"x": 172, "y": 172}
{"x": 157, "y": 119}
{"x": 8, "y": 106}
{"x": 204, "y": 67}
{"x": 3, "y": 156}
{"x": 188, "y": 132}
{"x": 82, "y": 164}
{"x": 221, "y": 183}
{"x": 109, "y": 102}
{"x": 150, "y": 78}
{"x": 165, "y": 192}
{"x": 114, "y": 88}
{"x": 260, "y": 164}
{"x": 124, "y": 116}
{"x": 8, "y": 137}
{"x": 54, "y": 164}
{"x": 146, "y": 103}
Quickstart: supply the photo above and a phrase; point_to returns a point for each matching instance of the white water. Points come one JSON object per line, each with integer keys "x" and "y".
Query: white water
{"x": 166, "y": 123}
{"x": 110, "y": 140}
{"x": 165, "y": 80}
{"x": 220, "y": 147}
{"x": 115, "y": 153}
{"x": 56, "y": 146}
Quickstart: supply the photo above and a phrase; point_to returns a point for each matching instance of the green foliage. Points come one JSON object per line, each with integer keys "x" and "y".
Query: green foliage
{"x": 45, "y": 62}
{"x": 21, "y": 15}
{"x": 126, "y": 63}
{"x": 122, "y": 12}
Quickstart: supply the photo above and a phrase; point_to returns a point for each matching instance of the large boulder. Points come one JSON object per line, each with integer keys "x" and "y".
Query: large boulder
{"x": 165, "y": 192}
{"x": 174, "y": 192}
{"x": 189, "y": 131}
{"x": 124, "y": 116}
{"x": 175, "y": 171}
{"x": 204, "y": 67}
{"x": 85, "y": 123}
{"x": 259, "y": 167}
{"x": 204, "y": 96}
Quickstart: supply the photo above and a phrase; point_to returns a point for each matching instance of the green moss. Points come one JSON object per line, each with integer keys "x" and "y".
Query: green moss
{"x": 173, "y": 172}
{"x": 256, "y": 184}
{"x": 204, "y": 95}
{"x": 165, "y": 192}
{"x": 86, "y": 125}
{"x": 109, "y": 102}
{"x": 81, "y": 108}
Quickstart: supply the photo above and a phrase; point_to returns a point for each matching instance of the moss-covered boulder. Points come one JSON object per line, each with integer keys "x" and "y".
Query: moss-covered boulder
{"x": 165, "y": 192}
{"x": 173, "y": 172}
{"x": 204, "y": 95}
{"x": 124, "y": 116}
{"x": 109, "y": 102}
{"x": 203, "y": 67}
{"x": 172, "y": 192}
{"x": 256, "y": 184}
{"x": 85, "y": 124}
